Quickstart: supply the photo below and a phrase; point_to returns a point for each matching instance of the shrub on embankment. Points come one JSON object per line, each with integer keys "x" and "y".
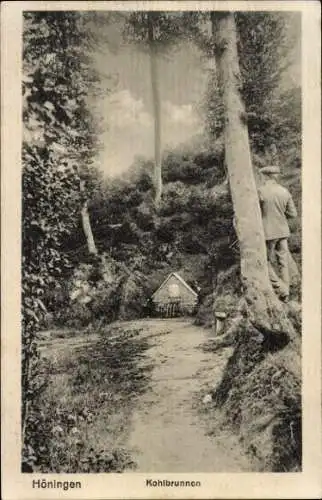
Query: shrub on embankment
{"x": 259, "y": 395}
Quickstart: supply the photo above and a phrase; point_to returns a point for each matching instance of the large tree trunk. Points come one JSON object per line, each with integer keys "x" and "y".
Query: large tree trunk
{"x": 87, "y": 224}
{"x": 262, "y": 306}
{"x": 156, "y": 113}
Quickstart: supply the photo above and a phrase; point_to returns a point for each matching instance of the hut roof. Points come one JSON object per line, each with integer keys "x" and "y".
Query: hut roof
{"x": 178, "y": 277}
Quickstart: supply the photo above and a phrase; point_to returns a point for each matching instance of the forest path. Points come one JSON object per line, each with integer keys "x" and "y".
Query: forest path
{"x": 167, "y": 432}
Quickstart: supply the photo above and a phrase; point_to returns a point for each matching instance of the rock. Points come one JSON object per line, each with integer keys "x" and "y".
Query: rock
{"x": 207, "y": 399}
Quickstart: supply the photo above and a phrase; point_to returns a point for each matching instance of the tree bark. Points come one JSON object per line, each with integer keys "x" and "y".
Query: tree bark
{"x": 87, "y": 224}
{"x": 262, "y": 305}
{"x": 156, "y": 112}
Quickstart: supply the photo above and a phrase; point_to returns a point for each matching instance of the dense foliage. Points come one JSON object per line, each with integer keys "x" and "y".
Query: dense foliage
{"x": 168, "y": 28}
{"x": 58, "y": 132}
{"x": 264, "y": 53}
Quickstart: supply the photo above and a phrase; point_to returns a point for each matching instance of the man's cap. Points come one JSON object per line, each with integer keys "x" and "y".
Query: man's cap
{"x": 270, "y": 170}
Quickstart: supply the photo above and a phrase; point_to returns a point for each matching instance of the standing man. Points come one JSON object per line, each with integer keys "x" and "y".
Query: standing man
{"x": 277, "y": 208}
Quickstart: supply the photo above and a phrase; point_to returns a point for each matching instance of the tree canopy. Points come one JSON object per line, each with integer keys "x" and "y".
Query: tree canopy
{"x": 264, "y": 47}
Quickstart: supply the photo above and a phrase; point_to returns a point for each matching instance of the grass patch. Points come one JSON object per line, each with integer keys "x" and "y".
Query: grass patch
{"x": 83, "y": 416}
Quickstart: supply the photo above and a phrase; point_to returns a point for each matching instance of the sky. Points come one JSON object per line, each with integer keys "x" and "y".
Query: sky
{"x": 127, "y": 110}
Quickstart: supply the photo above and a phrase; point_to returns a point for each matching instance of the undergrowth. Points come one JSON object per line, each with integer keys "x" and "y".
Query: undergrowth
{"x": 89, "y": 397}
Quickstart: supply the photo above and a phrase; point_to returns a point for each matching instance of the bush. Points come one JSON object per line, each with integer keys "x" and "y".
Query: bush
{"x": 174, "y": 198}
{"x": 193, "y": 167}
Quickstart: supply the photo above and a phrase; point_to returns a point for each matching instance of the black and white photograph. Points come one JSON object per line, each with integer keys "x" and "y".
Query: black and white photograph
{"x": 161, "y": 243}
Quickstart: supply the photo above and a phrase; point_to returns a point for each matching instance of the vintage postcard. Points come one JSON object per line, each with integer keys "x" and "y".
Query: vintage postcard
{"x": 161, "y": 250}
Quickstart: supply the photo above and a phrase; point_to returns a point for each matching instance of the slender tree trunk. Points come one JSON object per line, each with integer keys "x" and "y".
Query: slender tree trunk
{"x": 261, "y": 302}
{"x": 87, "y": 225}
{"x": 156, "y": 113}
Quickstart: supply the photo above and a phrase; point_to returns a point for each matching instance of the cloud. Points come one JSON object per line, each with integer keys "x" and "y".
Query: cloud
{"x": 180, "y": 123}
{"x": 124, "y": 110}
{"x": 130, "y": 131}
{"x": 183, "y": 114}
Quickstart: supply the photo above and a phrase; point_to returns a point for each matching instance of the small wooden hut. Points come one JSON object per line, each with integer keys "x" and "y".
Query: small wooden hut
{"x": 174, "y": 297}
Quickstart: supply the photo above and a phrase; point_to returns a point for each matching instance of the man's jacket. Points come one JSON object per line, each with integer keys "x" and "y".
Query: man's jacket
{"x": 277, "y": 206}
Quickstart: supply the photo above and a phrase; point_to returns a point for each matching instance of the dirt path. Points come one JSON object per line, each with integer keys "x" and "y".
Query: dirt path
{"x": 167, "y": 433}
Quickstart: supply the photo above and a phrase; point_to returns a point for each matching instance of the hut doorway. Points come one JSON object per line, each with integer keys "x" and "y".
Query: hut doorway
{"x": 169, "y": 310}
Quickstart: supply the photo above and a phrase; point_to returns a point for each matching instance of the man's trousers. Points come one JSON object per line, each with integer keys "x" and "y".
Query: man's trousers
{"x": 278, "y": 253}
